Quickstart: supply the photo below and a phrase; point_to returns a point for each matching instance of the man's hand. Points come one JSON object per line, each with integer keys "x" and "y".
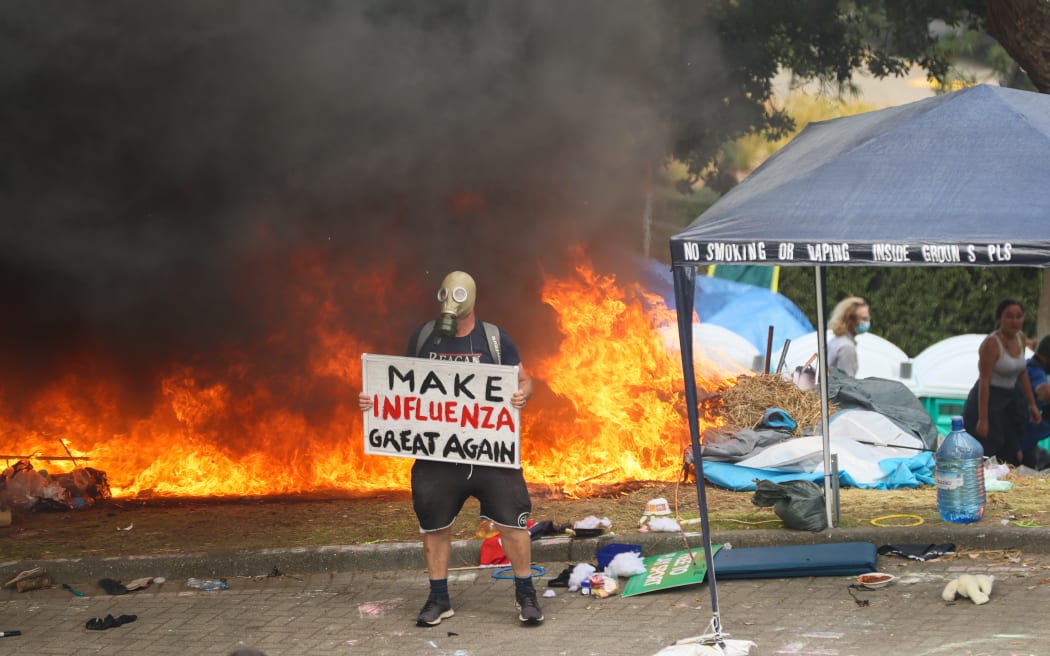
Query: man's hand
{"x": 364, "y": 402}
{"x": 518, "y": 399}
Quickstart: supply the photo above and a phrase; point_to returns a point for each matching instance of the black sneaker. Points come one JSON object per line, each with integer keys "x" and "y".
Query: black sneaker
{"x": 434, "y": 611}
{"x": 528, "y": 609}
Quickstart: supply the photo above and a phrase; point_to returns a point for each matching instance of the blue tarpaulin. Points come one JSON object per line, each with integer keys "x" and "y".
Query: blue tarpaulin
{"x": 901, "y": 473}
{"x": 747, "y": 310}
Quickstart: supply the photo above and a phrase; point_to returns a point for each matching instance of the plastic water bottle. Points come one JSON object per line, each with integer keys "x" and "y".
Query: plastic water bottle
{"x": 960, "y": 477}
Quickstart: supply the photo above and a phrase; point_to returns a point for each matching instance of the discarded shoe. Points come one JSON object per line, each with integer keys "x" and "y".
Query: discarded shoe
{"x": 528, "y": 608}
{"x": 101, "y": 623}
{"x": 112, "y": 586}
{"x": 26, "y": 574}
{"x": 108, "y": 622}
{"x": 434, "y": 611}
{"x": 34, "y": 583}
{"x": 137, "y": 584}
{"x": 562, "y": 580}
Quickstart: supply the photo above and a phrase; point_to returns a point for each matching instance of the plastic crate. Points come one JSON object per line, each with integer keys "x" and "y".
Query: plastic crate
{"x": 942, "y": 410}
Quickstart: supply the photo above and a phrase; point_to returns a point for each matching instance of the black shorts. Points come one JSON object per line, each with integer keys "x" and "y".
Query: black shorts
{"x": 439, "y": 490}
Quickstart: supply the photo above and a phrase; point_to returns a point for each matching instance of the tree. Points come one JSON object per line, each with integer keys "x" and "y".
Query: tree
{"x": 830, "y": 40}
{"x": 1022, "y": 27}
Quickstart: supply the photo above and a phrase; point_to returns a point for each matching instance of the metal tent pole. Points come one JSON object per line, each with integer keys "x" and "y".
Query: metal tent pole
{"x": 684, "y": 287}
{"x": 831, "y": 491}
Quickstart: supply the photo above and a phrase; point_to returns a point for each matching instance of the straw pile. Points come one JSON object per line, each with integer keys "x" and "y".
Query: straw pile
{"x": 745, "y": 400}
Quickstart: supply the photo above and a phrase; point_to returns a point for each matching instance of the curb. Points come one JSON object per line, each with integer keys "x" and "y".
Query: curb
{"x": 466, "y": 553}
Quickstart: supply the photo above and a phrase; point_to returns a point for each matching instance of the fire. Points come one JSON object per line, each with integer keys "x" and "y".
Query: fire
{"x": 623, "y": 382}
{"x": 610, "y": 407}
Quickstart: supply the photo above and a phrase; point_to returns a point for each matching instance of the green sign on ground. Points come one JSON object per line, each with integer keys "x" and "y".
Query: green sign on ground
{"x": 670, "y": 570}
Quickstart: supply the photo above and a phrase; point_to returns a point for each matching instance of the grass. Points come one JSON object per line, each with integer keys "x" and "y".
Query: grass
{"x": 127, "y": 527}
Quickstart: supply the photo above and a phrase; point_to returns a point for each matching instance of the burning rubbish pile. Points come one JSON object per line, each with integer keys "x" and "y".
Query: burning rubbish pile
{"x": 608, "y": 409}
{"x": 24, "y": 488}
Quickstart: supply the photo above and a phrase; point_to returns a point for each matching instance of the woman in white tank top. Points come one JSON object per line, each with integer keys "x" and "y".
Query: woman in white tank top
{"x": 994, "y": 411}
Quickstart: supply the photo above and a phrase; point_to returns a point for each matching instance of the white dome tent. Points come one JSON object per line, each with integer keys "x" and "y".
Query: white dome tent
{"x": 723, "y": 347}
{"x": 719, "y": 348}
{"x": 877, "y": 357}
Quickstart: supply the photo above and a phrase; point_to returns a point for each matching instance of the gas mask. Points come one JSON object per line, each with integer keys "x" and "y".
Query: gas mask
{"x": 456, "y": 295}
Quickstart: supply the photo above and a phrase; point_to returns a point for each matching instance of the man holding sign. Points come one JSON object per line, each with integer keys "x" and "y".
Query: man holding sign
{"x": 441, "y": 484}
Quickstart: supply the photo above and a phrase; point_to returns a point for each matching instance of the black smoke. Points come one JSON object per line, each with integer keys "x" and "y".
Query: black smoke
{"x": 168, "y": 166}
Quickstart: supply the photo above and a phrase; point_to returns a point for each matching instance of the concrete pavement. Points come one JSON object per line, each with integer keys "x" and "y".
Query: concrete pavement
{"x": 364, "y": 599}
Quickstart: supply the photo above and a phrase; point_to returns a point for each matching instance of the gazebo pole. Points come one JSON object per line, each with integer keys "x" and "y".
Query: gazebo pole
{"x": 684, "y": 288}
{"x": 831, "y": 491}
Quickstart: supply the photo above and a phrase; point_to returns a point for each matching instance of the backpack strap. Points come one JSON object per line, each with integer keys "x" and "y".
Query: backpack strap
{"x": 424, "y": 334}
{"x": 491, "y": 338}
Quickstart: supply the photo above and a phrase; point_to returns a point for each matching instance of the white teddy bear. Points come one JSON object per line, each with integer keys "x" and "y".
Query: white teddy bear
{"x": 975, "y": 586}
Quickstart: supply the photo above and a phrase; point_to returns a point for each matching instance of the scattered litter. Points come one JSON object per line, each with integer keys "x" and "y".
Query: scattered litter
{"x": 860, "y": 602}
{"x": 549, "y": 593}
{"x": 274, "y": 573}
{"x": 208, "y": 585}
{"x": 664, "y": 525}
{"x": 24, "y": 488}
{"x": 657, "y": 507}
{"x": 995, "y": 469}
{"x": 113, "y": 587}
{"x": 654, "y": 509}
{"x": 589, "y": 527}
{"x": 602, "y": 586}
{"x": 25, "y": 574}
{"x": 138, "y": 584}
{"x": 30, "y": 579}
{"x": 109, "y": 622}
{"x": 996, "y": 485}
{"x": 561, "y": 580}
{"x": 580, "y": 573}
{"x": 975, "y": 586}
{"x": 798, "y": 503}
{"x": 920, "y": 552}
{"x": 127, "y": 528}
{"x": 875, "y": 580}
{"x": 593, "y": 522}
{"x": 65, "y": 586}
{"x": 898, "y": 520}
{"x": 705, "y": 646}
{"x": 9, "y": 634}
{"x": 626, "y": 564}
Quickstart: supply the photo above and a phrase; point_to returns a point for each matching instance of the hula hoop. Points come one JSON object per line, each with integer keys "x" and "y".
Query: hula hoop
{"x": 916, "y": 520}
{"x": 501, "y": 572}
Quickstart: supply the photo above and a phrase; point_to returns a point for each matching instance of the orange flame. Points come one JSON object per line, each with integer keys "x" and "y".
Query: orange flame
{"x": 614, "y": 412}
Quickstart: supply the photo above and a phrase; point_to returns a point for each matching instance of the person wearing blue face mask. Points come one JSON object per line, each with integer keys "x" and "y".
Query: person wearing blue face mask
{"x": 851, "y": 317}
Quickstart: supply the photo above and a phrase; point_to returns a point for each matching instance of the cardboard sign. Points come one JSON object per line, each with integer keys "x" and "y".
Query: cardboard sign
{"x": 669, "y": 570}
{"x": 441, "y": 410}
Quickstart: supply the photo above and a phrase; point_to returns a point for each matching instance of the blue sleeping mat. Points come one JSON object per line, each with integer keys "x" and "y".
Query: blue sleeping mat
{"x": 836, "y": 559}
